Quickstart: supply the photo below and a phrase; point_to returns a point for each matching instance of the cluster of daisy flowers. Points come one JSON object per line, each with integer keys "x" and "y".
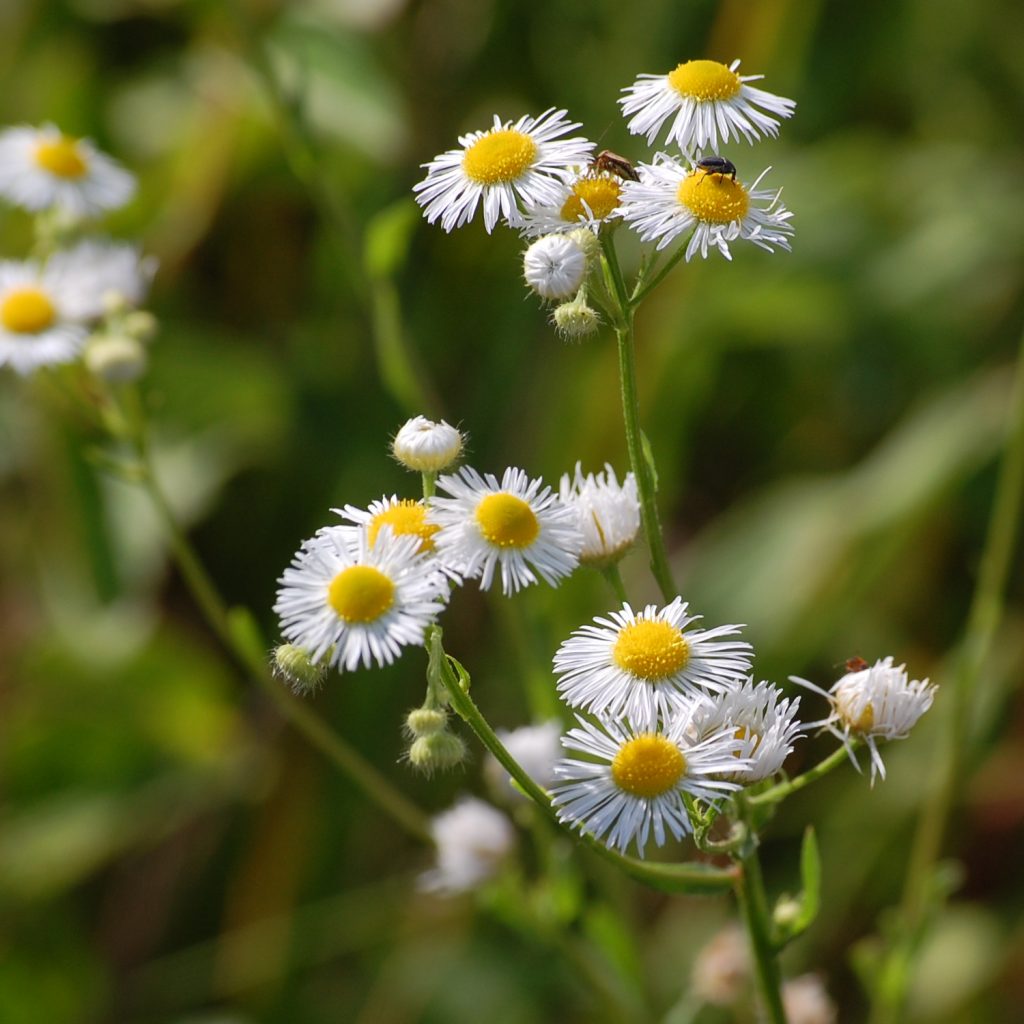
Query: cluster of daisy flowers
{"x": 79, "y": 297}
{"x": 552, "y": 188}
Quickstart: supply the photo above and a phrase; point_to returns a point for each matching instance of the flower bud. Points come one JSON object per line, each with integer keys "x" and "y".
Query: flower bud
{"x": 437, "y": 752}
{"x": 425, "y": 446}
{"x": 421, "y": 722}
{"x": 139, "y": 323}
{"x": 554, "y": 266}
{"x": 294, "y": 666}
{"x": 587, "y": 241}
{"x": 575, "y": 320}
{"x": 116, "y": 358}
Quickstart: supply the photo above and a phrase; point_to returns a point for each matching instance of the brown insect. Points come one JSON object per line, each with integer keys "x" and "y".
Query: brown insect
{"x": 612, "y": 163}
{"x": 856, "y": 664}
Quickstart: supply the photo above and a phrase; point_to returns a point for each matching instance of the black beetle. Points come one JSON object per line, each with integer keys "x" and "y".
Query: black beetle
{"x": 716, "y": 165}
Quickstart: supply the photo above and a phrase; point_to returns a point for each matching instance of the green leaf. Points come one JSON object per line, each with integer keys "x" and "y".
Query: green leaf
{"x": 789, "y": 922}
{"x": 649, "y": 458}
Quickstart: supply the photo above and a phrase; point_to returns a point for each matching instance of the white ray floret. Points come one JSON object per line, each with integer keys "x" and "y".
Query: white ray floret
{"x": 505, "y": 168}
{"x": 706, "y": 103}
{"x": 360, "y": 603}
{"x": 672, "y": 198}
{"x": 473, "y": 840}
{"x": 609, "y": 513}
{"x": 873, "y": 703}
{"x": 637, "y": 775}
{"x": 517, "y": 526}
{"x": 42, "y": 169}
{"x": 765, "y": 725}
{"x": 647, "y": 663}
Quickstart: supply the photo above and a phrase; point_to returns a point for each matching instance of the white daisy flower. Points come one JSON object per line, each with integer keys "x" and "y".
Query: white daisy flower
{"x": 404, "y": 516}
{"x": 708, "y": 102}
{"x": 41, "y": 168}
{"x": 101, "y": 276}
{"x": 638, "y": 777}
{"x": 806, "y": 1001}
{"x": 873, "y": 702}
{"x": 554, "y": 266}
{"x": 609, "y": 513}
{"x": 354, "y": 604}
{"x": 670, "y": 199}
{"x": 588, "y": 200}
{"x": 535, "y": 748}
{"x": 646, "y": 664}
{"x": 517, "y": 525}
{"x": 502, "y": 167}
{"x": 41, "y": 314}
{"x": 427, "y": 447}
{"x": 473, "y": 840}
{"x": 764, "y": 725}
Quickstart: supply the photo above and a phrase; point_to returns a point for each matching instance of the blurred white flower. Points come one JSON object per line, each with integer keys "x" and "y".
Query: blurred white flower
{"x": 806, "y": 1001}
{"x": 721, "y": 972}
{"x": 609, "y": 513}
{"x": 473, "y": 841}
{"x": 536, "y": 748}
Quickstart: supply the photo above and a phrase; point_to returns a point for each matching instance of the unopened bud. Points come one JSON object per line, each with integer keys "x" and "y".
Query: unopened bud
{"x": 296, "y": 668}
{"x": 422, "y": 722}
{"x": 575, "y": 320}
{"x": 439, "y": 752}
{"x": 786, "y": 911}
{"x": 115, "y": 357}
{"x": 554, "y": 266}
{"x": 587, "y": 241}
{"x": 114, "y": 301}
{"x": 425, "y": 446}
{"x": 140, "y": 323}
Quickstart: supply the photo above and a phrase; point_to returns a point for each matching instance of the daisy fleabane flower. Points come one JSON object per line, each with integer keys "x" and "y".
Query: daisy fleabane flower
{"x": 41, "y": 168}
{"x": 609, "y": 513}
{"x": 876, "y": 702}
{"x": 554, "y": 266}
{"x": 648, "y": 663}
{"x": 473, "y": 840}
{"x": 637, "y": 777}
{"x": 504, "y": 167}
{"x": 404, "y": 516}
{"x": 588, "y": 200}
{"x": 516, "y": 525}
{"x": 427, "y": 447}
{"x": 672, "y": 198}
{"x": 708, "y": 103}
{"x": 355, "y": 603}
{"x": 765, "y": 725}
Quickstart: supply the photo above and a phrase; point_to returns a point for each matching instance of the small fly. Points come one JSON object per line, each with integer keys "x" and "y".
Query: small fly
{"x": 612, "y": 163}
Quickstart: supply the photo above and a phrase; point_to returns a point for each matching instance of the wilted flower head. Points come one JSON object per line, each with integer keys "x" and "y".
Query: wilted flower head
{"x": 877, "y": 702}
{"x": 609, "y": 513}
{"x": 427, "y": 447}
{"x": 473, "y": 840}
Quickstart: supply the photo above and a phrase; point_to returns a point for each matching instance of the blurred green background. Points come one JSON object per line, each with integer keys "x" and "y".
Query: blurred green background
{"x": 826, "y": 426}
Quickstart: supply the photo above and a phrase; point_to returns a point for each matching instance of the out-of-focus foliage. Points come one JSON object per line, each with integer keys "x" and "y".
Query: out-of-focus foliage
{"x": 825, "y": 425}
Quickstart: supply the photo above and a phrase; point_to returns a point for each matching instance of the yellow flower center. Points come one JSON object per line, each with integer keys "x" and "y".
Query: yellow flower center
{"x": 862, "y": 721}
{"x": 499, "y": 156}
{"x": 507, "y": 521}
{"x": 61, "y": 157}
{"x": 705, "y": 80}
{"x": 713, "y": 198}
{"x": 361, "y": 593}
{"x": 26, "y": 310}
{"x": 648, "y": 765}
{"x": 601, "y": 194}
{"x": 651, "y": 649}
{"x": 742, "y": 733}
{"x": 405, "y": 517}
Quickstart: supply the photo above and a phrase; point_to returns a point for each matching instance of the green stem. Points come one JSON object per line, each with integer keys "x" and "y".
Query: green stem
{"x": 753, "y": 903}
{"x": 315, "y": 730}
{"x": 983, "y": 619}
{"x": 614, "y": 577}
{"x": 785, "y": 789}
{"x": 634, "y": 437}
{"x": 429, "y": 482}
{"x": 643, "y": 289}
{"x": 687, "y": 877}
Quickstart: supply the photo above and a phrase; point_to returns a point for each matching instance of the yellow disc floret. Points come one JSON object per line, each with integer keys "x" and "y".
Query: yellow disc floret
{"x": 506, "y": 521}
{"x": 648, "y": 765}
{"x": 61, "y": 157}
{"x": 705, "y": 80}
{"x": 713, "y": 198}
{"x": 26, "y": 310}
{"x": 361, "y": 593}
{"x": 405, "y": 517}
{"x": 601, "y": 194}
{"x": 651, "y": 649}
{"x": 860, "y": 720}
{"x": 499, "y": 156}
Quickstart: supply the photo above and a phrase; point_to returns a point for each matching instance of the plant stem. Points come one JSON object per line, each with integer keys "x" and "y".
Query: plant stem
{"x": 614, "y": 577}
{"x": 753, "y": 903}
{"x": 687, "y": 877}
{"x": 631, "y": 416}
{"x": 643, "y": 289}
{"x": 315, "y": 730}
{"x": 785, "y": 789}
